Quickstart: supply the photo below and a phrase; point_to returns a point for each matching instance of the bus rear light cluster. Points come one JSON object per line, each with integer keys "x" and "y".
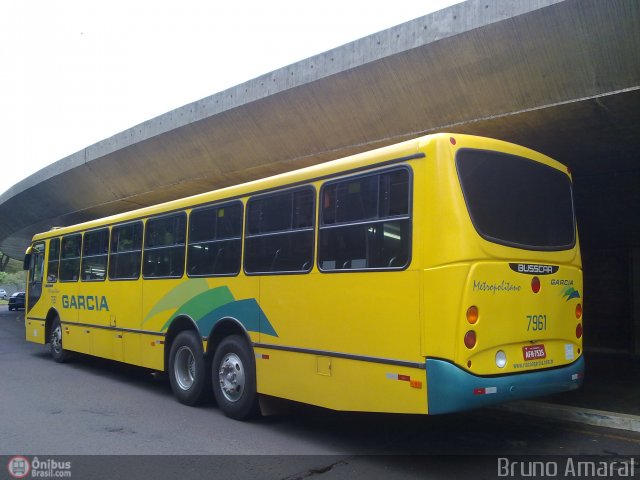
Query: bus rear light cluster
{"x": 470, "y": 339}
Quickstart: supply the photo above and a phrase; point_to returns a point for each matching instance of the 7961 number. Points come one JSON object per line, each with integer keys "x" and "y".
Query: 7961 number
{"x": 536, "y": 323}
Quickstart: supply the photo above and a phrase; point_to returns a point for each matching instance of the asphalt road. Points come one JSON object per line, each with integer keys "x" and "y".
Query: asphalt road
{"x": 96, "y": 407}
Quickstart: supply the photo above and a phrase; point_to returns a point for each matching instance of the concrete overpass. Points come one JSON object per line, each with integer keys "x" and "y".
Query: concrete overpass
{"x": 559, "y": 76}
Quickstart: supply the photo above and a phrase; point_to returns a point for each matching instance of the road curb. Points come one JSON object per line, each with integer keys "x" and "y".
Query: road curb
{"x": 567, "y": 413}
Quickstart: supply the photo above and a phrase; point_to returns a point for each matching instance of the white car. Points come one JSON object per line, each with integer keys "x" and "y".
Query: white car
{"x": 3, "y": 294}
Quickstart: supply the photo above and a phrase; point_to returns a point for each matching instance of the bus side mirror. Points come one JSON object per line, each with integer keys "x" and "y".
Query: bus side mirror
{"x": 27, "y": 259}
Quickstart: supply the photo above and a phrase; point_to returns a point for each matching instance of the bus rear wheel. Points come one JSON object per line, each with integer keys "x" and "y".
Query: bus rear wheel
{"x": 188, "y": 369}
{"x": 58, "y": 353}
{"x": 234, "y": 378}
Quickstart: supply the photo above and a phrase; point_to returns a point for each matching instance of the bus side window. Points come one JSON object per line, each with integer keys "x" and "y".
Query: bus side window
{"x": 125, "y": 252}
{"x": 215, "y": 240}
{"x": 164, "y": 246}
{"x": 365, "y": 222}
{"x": 70, "y": 258}
{"x": 95, "y": 248}
{"x": 279, "y": 235}
{"x": 54, "y": 260}
{"x": 37, "y": 264}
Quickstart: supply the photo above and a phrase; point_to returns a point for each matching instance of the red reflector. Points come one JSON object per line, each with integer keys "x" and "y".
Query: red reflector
{"x": 485, "y": 390}
{"x": 452, "y": 140}
{"x": 265, "y": 356}
{"x": 579, "y": 331}
{"x": 470, "y": 339}
{"x": 404, "y": 378}
{"x": 535, "y": 284}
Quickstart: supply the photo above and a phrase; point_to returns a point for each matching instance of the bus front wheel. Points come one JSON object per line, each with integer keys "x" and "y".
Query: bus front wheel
{"x": 234, "y": 378}
{"x": 188, "y": 369}
{"x": 58, "y": 353}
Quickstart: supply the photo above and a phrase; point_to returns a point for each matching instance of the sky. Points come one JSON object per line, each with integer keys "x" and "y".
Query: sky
{"x": 75, "y": 72}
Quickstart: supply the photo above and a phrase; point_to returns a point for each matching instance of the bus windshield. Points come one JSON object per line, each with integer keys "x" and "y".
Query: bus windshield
{"x": 516, "y": 201}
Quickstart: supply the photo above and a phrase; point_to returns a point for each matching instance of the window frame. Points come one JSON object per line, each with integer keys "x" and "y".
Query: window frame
{"x": 57, "y": 261}
{"x": 146, "y": 249}
{"x": 314, "y": 221}
{"x": 118, "y": 225}
{"x": 62, "y": 259}
{"x": 377, "y": 220}
{"x": 216, "y": 206}
{"x": 83, "y": 256}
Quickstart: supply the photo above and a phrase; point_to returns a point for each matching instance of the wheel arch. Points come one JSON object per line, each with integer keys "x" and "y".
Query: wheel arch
{"x": 225, "y": 327}
{"x": 51, "y": 314}
{"x": 178, "y": 324}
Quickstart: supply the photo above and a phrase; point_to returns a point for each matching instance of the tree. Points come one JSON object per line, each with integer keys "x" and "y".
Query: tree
{"x": 4, "y": 260}
{"x": 9, "y": 265}
{"x": 16, "y": 279}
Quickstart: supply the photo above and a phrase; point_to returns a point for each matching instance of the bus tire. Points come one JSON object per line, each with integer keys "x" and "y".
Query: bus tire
{"x": 234, "y": 378}
{"x": 188, "y": 369}
{"x": 56, "y": 348}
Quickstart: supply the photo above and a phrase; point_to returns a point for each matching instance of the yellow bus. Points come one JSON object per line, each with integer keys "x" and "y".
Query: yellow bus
{"x": 432, "y": 276}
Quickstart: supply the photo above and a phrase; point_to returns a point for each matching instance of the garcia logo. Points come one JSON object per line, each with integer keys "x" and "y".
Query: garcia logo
{"x": 81, "y": 302}
{"x": 570, "y": 293}
{"x": 534, "y": 269}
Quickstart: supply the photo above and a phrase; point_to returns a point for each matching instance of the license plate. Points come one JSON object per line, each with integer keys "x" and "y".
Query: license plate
{"x": 533, "y": 352}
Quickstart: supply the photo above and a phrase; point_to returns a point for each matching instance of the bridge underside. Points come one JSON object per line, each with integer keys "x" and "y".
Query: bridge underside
{"x": 559, "y": 76}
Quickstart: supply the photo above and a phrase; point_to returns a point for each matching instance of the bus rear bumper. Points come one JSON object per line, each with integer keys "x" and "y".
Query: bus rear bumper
{"x": 451, "y": 389}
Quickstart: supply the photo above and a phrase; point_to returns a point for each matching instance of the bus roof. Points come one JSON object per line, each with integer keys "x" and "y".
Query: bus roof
{"x": 406, "y": 150}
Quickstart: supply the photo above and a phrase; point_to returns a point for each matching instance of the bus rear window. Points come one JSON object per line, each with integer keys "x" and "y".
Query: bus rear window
{"x": 516, "y": 201}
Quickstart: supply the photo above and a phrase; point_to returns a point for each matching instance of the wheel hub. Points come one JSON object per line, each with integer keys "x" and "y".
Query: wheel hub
{"x": 56, "y": 339}
{"x": 185, "y": 368}
{"x": 231, "y": 377}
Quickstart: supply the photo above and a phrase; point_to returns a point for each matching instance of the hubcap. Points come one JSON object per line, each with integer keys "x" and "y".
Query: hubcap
{"x": 185, "y": 368}
{"x": 56, "y": 339}
{"x": 231, "y": 377}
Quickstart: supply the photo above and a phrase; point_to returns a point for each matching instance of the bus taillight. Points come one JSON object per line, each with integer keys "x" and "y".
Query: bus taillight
{"x": 470, "y": 339}
{"x": 579, "y": 331}
{"x": 578, "y": 310}
{"x": 472, "y": 314}
{"x": 535, "y": 284}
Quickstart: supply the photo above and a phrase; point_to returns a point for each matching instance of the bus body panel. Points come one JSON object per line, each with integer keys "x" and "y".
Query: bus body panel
{"x": 334, "y": 309}
{"x": 35, "y": 331}
{"x": 531, "y": 317}
{"x": 339, "y": 333}
{"x": 340, "y": 383}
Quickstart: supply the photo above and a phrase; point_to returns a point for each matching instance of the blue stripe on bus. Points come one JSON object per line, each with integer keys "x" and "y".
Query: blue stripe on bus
{"x": 247, "y": 312}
